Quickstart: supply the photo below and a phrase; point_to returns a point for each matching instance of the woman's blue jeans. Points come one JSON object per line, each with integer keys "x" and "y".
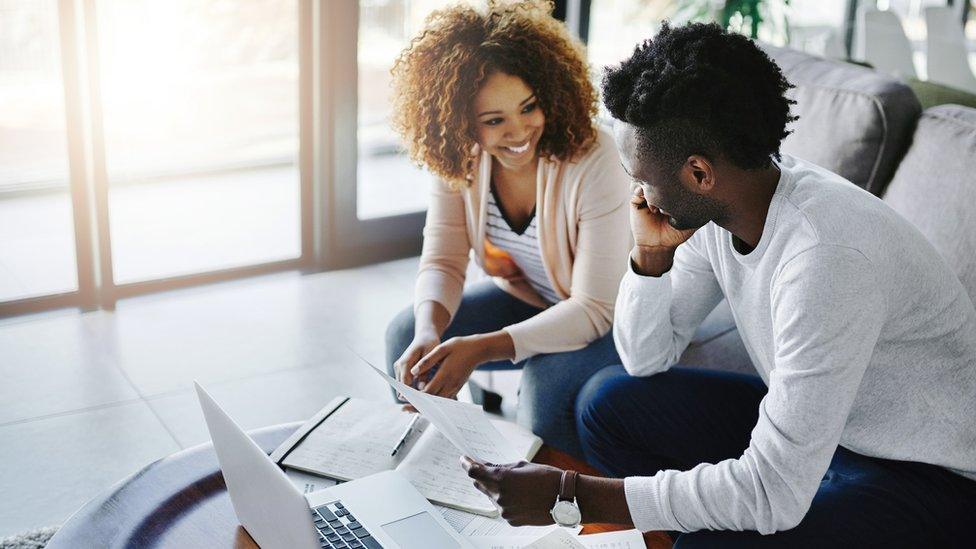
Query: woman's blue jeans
{"x": 550, "y": 382}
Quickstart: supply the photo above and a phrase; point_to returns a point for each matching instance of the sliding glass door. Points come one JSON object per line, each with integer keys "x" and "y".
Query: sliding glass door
{"x": 156, "y": 145}
{"x": 388, "y": 183}
{"x": 380, "y": 195}
{"x": 37, "y": 237}
{"x": 199, "y": 102}
{"x": 147, "y": 145}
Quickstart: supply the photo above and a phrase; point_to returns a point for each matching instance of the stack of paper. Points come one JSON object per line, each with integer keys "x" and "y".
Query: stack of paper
{"x": 563, "y": 539}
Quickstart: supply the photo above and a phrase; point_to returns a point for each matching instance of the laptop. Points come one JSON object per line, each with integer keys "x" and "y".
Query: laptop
{"x": 379, "y": 511}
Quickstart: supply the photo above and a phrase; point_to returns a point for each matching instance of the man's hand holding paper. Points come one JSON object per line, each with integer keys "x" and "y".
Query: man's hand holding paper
{"x": 524, "y": 492}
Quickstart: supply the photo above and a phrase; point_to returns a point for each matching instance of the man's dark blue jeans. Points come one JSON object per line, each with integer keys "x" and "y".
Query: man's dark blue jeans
{"x": 680, "y": 418}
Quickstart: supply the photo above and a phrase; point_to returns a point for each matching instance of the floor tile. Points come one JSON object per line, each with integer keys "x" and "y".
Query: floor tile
{"x": 357, "y": 292}
{"x": 352, "y": 306}
{"x": 53, "y": 365}
{"x": 270, "y": 399}
{"x": 402, "y": 272}
{"x": 53, "y": 466}
{"x": 164, "y": 342}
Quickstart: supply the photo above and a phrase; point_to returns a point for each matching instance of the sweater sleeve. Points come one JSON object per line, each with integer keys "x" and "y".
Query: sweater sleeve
{"x": 827, "y": 313}
{"x": 657, "y": 316}
{"x": 602, "y": 244}
{"x": 446, "y": 249}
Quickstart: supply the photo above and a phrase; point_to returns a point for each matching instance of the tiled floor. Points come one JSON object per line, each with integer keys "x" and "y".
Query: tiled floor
{"x": 87, "y": 399}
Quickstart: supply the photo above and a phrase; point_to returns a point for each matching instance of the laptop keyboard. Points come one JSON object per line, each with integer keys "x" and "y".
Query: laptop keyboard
{"x": 338, "y": 529}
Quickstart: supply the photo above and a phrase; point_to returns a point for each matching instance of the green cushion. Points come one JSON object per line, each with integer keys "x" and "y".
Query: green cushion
{"x": 931, "y": 94}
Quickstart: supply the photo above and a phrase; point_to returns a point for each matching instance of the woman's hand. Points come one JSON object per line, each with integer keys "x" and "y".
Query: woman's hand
{"x": 423, "y": 343}
{"x": 458, "y": 357}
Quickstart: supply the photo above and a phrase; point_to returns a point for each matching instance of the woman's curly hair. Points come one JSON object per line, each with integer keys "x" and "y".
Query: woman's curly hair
{"x": 436, "y": 78}
{"x": 698, "y": 89}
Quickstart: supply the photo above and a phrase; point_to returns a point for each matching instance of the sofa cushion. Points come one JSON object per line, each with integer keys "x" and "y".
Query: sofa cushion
{"x": 935, "y": 186}
{"x": 716, "y": 344}
{"x": 853, "y": 121}
{"x": 726, "y": 353}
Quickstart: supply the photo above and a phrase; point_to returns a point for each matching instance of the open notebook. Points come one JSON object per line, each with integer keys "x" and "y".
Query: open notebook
{"x": 352, "y": 438}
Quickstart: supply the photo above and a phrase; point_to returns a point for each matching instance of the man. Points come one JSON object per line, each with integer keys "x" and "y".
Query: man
{"x": 859, "y": 430}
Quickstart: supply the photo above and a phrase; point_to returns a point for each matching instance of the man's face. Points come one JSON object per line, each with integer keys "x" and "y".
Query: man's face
{"x": 663, "y": 188}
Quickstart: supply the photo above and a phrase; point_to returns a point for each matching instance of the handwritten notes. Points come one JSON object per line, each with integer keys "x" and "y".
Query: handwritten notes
{"x": 464, "y": 424}
{"x": 354, "y": 442}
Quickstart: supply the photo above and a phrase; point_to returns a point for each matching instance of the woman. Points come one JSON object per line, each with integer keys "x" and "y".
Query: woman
{"x": 499, "y": 106}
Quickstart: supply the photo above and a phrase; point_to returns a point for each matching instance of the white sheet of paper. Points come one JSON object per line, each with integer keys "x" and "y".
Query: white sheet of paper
{"x": 307, "y": 482}
{"x": 465, "y": 425}
{"x": 557, "y": 539}
{"x": 434, "y": 468}
{"x": 623, "y": 539}
{"x": 499, "y": 542}
{"x": 471, "y": 525}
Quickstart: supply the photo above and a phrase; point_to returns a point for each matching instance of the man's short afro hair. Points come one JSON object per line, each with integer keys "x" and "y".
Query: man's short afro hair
{"x": 698, "y": 89}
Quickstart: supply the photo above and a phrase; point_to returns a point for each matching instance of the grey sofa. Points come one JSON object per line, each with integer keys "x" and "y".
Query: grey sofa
{"x": 870, "y": 129}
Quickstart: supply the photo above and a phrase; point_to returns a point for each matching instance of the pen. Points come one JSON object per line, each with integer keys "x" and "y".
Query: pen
{"x": 406, "y": 433}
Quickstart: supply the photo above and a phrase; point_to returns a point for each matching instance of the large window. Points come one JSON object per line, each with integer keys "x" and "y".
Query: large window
{"x": 817, "y": 26}
{"x": 616, "y": 26}
{"x": 389, "y": 183}
{"x": 200, "y": 104}
{"x": 37, "y": 247}
{"x": 156, "y": 145}
{"x": 912, "y": 16}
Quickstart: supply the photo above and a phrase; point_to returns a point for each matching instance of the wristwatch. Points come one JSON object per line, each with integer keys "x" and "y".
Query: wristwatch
{"x": 565, "y": 511}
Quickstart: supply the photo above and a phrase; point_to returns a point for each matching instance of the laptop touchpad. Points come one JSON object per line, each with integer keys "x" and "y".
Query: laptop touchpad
{"x": 419, "y": 531}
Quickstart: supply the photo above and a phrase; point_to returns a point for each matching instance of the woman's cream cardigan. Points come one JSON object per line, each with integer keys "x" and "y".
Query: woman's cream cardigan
{"x": 584, "y": 236}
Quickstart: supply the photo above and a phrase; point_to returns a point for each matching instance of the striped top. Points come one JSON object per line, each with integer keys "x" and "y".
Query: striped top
{"x": 523, "y": 247}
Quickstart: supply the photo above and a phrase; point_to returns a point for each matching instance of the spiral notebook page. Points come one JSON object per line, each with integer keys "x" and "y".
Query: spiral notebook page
{"x": 355, "y": 441}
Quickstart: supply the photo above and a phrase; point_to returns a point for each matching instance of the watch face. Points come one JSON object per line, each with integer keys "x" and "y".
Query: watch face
{"x": 566, "y": 513}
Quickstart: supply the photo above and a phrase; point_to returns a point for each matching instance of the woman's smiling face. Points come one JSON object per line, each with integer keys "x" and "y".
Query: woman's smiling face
{"x": 509, "y": 120}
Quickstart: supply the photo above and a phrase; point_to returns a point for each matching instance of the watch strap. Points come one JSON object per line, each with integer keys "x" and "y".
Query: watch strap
{"x": 567, "y": 486}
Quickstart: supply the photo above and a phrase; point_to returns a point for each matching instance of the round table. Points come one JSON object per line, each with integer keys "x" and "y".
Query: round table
{"x": 181, "y": 501}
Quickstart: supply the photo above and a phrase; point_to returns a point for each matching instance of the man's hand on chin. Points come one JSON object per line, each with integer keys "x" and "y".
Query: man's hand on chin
{"x": 655, "y": 240}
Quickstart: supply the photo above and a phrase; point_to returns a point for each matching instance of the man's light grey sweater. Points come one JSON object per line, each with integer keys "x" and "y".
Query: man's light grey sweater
{"x": 862, "y": 333}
